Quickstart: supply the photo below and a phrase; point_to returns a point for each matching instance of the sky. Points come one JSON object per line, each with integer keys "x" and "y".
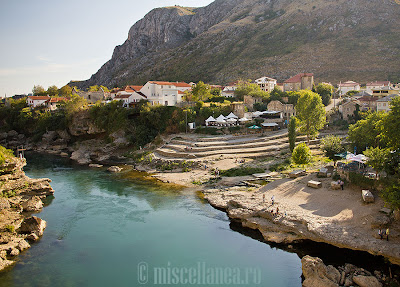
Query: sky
{"x": 50, "y": 42}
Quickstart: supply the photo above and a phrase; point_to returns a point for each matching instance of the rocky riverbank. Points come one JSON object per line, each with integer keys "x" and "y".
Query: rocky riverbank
{"x": 316, "y": 273}
{"x": 339, "y": 218}
{"x": 20, "y": 197}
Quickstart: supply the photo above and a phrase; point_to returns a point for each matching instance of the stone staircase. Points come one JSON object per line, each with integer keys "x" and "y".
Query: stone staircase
{"x": 196, "y": 147}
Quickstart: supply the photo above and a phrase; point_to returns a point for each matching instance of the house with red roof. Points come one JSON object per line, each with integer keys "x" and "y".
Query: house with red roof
{"x": 165, "y": 93}
{"x": 302, "y": 81}
{"x": 348, "y": 86}
{"x": 35, "y": 101}
{"x": 54, "y": 102}
{"x": 377, "y": 85}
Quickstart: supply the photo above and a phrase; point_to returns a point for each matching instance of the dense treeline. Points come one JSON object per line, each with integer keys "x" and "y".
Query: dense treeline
{"x": 378, "y": 137}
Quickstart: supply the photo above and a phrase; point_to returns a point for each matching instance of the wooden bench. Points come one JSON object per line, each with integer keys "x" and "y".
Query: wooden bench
{"x": 314, "y": 184}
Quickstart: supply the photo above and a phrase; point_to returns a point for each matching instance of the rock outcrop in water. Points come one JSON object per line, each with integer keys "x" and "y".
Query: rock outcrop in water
{"x": 20, "y": 196}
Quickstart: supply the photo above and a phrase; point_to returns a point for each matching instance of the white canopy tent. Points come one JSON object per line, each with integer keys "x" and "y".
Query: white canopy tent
{"x": 221, "y": 118}
{"x": 242, "y": 120}
{"x": 210, "y": 120}
{"x": 232, "y": 116}
{"x": 231, "y": 120}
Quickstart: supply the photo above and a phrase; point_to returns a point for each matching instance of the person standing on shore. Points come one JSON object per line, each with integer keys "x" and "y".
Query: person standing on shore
{"x": 341, "y": 184}
{"x": 380, "y": 233}
{"x": 272, "y": 200}
{"x": 387, "y": 234}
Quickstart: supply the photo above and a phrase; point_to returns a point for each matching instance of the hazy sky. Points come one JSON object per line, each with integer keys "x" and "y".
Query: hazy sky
{"x": 50, "y": 42}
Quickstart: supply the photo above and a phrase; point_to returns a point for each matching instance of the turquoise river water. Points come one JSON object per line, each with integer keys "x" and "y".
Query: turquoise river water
{"x": 122, "y": 230}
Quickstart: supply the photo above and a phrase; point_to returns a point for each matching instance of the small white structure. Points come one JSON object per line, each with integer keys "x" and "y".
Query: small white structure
{"x": 232, "y": 116}
{"x": 266, "y": 84}
{"x": 210, "y": 120}
{"x": 221, "y": 118}
{"x": 243, "y": 120}
{"x": 348, "y": 86}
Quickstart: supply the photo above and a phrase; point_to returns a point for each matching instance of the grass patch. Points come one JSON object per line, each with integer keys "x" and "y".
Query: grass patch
{"x": 10, "y": 228}
{"x": 241, "y": 171}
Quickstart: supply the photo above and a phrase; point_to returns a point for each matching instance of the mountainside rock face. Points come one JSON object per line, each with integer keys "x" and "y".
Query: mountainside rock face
{"x": 231, "y": 39}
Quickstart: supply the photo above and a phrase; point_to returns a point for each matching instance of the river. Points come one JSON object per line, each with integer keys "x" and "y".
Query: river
{"x": 122, "y": 230}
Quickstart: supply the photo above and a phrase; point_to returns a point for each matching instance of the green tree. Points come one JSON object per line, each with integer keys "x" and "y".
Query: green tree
{"x": 105, "y": 89}
{"x": 72, "y": 106}
{"x": 215, "y": 92}
{"x": 391, "y": 125}
{"x": 325, "y": 90}
{"x": 277, "y": 94}
{"x": 201, "y": 91}
{"x": 246, "y": 88}
{"x": 301, "y": 155}
{"x": 292, "y": 133}
{"x": 52, "y": 91}
{"x": 391, "y": 194}
{"x": 38, "y": 90}
{"x": 368, "y": 132}
{"x": 65, "y": 91}
{"x": 94, "y": 88}
{"x": 332, "y": 145}
{"x": 377, "y": 158}
{"x": 310, "y": 112}
{"x": 352, "y": 93}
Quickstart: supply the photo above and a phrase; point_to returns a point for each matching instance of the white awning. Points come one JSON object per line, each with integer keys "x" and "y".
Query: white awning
{"x": 244, "y": 119}
{"x": 269, "y": 124}
{"x": 210, "y": 119}
{"x": 232, "y": 116}
{"x": 221, "y": 118}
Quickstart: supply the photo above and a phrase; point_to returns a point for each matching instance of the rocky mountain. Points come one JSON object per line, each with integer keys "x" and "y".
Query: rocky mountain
{"x": 337, "y": 40}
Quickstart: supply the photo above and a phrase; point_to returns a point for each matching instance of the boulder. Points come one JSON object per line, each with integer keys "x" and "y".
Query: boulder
{"x": 317, "y": 274}
{"x": 366, "y": 281}
{"x": 4, "y": 263}
{"x": 33, "y": 225}
{"x": 3, "y": 136}
{"x": 12, "y": 134}
{"x": 22, "y": 245}
{"x": 4, "y": 203}
{"x": 49, "y": 136}
{"x": 63, "y": 134}
{"x": 114, "y": 168}
{"x": 14, "y": 252}
{"x": 380, "y": 221}
{"x": 367, "y": 196}
{"x": 81, "y": 156}
{"x": 34, "y": 204}
{"x": 95, "y": 165}
{"x": 64, "y": 154}
{"x": 32, "y": 237}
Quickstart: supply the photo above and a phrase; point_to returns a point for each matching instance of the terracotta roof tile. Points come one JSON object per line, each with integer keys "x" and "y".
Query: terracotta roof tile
{"x": 297, "y": 78}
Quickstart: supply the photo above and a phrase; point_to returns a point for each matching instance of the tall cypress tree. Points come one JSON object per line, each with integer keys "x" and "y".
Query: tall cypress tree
{"x": 292, "y": 133}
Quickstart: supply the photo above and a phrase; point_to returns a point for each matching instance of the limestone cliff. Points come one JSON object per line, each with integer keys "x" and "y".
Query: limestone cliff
{"x": 230, "y": 39}
{"x": 20, "y": 196}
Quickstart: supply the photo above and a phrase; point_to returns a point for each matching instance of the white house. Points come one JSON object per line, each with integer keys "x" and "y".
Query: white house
{"x": 266, "y": 84}
{"x": 383, "y": 104}
{"x": 348, "y": 86}
{"x": 164, "y": 93}
{"x": 130, "y": 99}
{"x": 377, "y": 86}
{"x": 228, "y": 91}
{"x": 34, "y": 101}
